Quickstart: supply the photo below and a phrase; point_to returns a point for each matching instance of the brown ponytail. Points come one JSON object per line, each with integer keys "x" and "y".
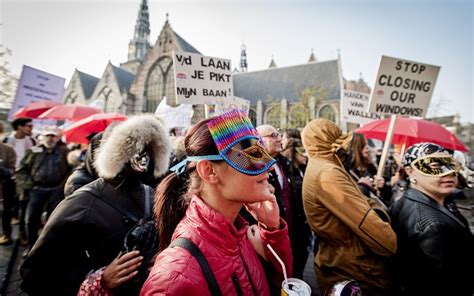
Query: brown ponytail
{"x": 174, "y": 193}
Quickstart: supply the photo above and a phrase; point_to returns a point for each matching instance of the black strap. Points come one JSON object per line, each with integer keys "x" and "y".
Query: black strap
{"x": 206, "y": 270}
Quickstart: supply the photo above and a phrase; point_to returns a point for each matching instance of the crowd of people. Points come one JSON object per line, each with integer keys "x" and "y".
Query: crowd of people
{"x": 142, "y": 212}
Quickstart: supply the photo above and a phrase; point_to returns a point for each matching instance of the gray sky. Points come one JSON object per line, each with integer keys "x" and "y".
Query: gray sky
{"x": 59, "y": 36}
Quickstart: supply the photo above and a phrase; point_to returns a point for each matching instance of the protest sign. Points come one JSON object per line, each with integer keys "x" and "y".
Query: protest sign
{"x": 403, "y": 87}
{"x": 35, "y": 85}
{"x": 354, "y": 107}
{"x": 200, "y": 79}
{"x": 223, "y": 106}
{"x": 179, "y": 116}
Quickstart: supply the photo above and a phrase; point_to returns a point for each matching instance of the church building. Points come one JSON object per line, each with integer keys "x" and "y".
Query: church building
{"x": 285, "y": 97}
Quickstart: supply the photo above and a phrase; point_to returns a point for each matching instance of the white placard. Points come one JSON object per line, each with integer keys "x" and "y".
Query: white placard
{"x": 403, "y": 87}
{"x": 200, "y": 79}
{"x": 35, "y": 85}
{"x": 354, "y": 107}
{"x": 179, "y": 116}
{"x": 227, "y": 105}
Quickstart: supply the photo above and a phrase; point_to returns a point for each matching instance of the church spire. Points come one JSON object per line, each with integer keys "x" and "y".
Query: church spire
{"x": 140, "y": 44}
{"x": 243, "y": 58}
{"x": 272, "y": 63}
{"x": 312, "y": 57}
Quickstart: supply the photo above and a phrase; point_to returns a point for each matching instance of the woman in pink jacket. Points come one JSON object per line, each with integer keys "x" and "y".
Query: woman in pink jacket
{"x": 226, "y": 168}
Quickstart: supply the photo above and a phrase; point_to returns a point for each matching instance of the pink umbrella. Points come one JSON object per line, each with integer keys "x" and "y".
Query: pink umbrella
{"x": 34, "y": 109}
{"x": 95, "y": 123}
{"x": 71, "y": 112}
{"x": 410, "y": 131}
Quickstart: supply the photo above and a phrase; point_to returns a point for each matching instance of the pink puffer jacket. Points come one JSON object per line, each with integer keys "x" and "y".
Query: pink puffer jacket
{"x": 231, "y": 256}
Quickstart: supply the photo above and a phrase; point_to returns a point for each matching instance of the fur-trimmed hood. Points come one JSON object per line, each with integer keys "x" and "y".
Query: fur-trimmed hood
{"x": 131, "y": 137}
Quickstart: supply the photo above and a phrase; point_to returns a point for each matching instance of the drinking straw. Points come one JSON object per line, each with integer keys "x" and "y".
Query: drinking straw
{"x": 279, "y": 260}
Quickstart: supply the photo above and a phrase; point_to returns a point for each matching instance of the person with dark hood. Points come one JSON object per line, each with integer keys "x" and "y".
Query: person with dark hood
{"x": 356, "y": 241}
{"x": 96, "y": 241}
{"x": 85, "y": 173}
{"x": 435, "y": 244}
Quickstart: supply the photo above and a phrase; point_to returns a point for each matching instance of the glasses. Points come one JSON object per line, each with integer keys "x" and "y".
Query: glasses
{"x": 272, "y": 135}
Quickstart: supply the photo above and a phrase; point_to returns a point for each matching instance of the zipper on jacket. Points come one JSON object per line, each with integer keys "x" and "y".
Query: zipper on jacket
{"x": 235, "y": 280}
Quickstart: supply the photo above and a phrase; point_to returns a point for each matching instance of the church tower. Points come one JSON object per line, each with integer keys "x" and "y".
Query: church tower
{"x": 140, "y": 44}
{"x": 243, "y": 58}
{"x": 272, "y": 63}
{"x": 312, "y": 57}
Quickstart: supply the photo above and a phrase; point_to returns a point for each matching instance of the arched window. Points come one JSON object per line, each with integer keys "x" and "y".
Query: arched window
{"x": 299, "y": 116}
{"x": 71, "y": 98}
{"x": 253, "y": 116}
{"x": 328, "y": 112}
{"x": 272, "y": 116}
{"x": 159, "y": 84}
{"x": 106, "y": 99}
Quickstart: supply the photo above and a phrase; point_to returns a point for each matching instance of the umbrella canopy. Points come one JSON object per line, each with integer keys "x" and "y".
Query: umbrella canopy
{"x": 410, "y": 131}
{"x": 34, "y": 109}
{"x": 71, "y": 112}
{"x": 95, "y": 123}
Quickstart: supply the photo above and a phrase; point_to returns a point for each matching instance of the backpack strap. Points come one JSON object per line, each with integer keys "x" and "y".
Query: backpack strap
{"x": 196, "y": 253}
{"x": 147, "y": 190}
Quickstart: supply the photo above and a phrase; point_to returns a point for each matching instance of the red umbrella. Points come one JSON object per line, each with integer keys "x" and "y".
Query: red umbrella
{"x": 95, "y": 123}
{"x": 34, "y": 109}
{"x": 71, "y": 112}
{"x": 410, "y": 131}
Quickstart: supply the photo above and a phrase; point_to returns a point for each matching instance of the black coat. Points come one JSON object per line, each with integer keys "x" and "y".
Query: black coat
{"x": 435, "y": 253}
{"x": 83, "y": 234}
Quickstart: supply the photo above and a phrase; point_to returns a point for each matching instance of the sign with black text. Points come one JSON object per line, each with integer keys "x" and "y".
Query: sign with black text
{"x": 403, "y": 87}
{"x": 202, "y": 80}
{"x": 354, "y": 107}
{"x": 224, "y": 106}
{"x": 35, "y": 85}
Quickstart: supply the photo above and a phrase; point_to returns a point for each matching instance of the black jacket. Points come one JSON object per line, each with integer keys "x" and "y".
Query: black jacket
{"x": 85, "y": 173}
{"x": 435, "y": 252}
{"x": 83, "y": 234}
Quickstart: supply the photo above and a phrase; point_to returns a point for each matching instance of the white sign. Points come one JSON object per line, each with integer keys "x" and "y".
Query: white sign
{"x": 179, "y": 116}
{"x": 35, "y": 85}
{"x": 354, "y": 107}
{"x": 200, "y": 79}
{"x": 403, "y": 87}
{"x": 223, "y": 106}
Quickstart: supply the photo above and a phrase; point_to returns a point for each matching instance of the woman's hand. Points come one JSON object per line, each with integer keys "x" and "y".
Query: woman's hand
{"x": 266, "y": 212}
{"x": 122, "y": 269}
{"x": 379, "y": 182}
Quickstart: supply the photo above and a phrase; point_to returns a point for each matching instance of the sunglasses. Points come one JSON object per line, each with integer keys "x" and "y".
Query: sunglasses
{"x": 272, "y": 135}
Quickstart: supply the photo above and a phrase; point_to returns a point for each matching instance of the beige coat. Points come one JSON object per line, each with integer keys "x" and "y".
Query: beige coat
{"x": 355, "y": 242}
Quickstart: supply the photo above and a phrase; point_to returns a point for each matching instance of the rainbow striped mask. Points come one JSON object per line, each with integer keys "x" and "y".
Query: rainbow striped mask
{"x": 239, "y": 144}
